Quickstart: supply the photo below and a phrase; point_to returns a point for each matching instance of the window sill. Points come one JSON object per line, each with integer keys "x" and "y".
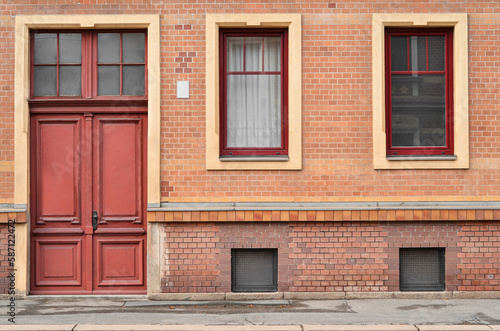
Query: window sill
{"x": 421, "y": 157}
{"x": 281, "y": 158}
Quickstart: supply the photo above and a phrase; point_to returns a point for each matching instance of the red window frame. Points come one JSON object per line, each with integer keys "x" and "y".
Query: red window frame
{"x": 96, "y": 65}
{"x": 448, "y": 149}
{"x": 89, "y": 65}
{"x": 84, "y": 64}
{"x": 226, "y": 151}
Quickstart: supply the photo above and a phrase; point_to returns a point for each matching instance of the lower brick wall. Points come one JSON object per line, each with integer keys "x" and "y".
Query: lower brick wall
{"x": 329, "y": 256}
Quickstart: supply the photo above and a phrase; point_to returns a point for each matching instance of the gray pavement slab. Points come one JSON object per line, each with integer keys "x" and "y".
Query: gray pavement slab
{"x": 118, "y": 327}
{"x": 454, "y": 327}
{"x": 359, "y": 328}
{"x": 106, "y": 313}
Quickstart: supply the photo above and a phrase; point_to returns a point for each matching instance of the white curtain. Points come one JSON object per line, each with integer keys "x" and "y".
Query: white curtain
{"x": 253, "y": 101}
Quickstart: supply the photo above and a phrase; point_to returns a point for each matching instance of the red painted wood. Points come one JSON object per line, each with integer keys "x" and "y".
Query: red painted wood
{"x": 283, "y": 73}
{"x": 119, "y": 182}
{"x": 448, "y": 73}
{"x": 81, "y": 163}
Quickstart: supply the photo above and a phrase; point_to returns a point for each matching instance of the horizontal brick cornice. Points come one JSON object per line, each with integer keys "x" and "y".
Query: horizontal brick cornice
{"x": 374, "y": 205}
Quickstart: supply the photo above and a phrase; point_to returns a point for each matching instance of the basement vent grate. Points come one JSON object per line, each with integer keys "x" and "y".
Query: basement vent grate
{"x": 421, "y": 269}
{"x": 254, "y": 270}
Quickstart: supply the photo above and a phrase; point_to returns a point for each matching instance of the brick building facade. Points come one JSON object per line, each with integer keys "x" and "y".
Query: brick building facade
{"x": 336, "y": 211}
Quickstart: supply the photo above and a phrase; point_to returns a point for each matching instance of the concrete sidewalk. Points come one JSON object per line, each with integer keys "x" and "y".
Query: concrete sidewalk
{"x": 138, "y": 313}
{"x": 87, "y": 327}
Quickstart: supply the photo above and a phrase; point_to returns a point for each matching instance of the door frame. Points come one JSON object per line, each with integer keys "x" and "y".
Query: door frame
{"x": 88, "y": 170}
{"x": 22, "y": 122}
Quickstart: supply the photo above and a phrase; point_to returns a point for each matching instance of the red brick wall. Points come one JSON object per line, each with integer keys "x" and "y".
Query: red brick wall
{"x": 337, "y": 115}
{"x": 330, "y": 256}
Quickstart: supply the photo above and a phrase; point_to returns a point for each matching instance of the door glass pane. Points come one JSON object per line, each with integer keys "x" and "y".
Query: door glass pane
{"x": 418, "y": 110}
{"x": 234, "y": 53}
{"x": 419, "y": 53}
{"x": 45, "y": 48}
{"x": 108, "y": 80}
{"x": 45, "y": 81}
{"x": 70, "y": 80}
{"x": 133, "y": 80}
{"x": 253, "y": 111}
{"x": 133, "y": 48}
{"x": 108, "y": 48}
{"x": 399, "y": 53}
{"x": 70, "y": 48}
{"x": 272, "y": 51}
{"x": 253, "y": 54}
{"x": 436, "y": 53}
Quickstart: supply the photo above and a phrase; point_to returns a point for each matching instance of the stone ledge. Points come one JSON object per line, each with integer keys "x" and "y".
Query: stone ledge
{"x": 424, "y": 295}
{"x": 476, "y": 295}
{"x": 446, "y": 295}
{"x": 188, "y": 296}
{"x": 369, "y": 295}
{"x": 254, "y": 296}
{"x": 314, "y": 295}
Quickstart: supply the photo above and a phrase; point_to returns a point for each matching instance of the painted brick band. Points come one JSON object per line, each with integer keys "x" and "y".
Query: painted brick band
{"x": 326, "y": 215}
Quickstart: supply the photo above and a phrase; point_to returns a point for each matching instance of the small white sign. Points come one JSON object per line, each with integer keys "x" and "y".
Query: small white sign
{"x": 183, "y": 89}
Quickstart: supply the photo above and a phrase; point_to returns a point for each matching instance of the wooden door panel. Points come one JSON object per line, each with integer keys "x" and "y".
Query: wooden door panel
{"x": 119, "y": 261}
{"x": 59, "y": 262}
{"x": 119, "y": 169}
{"x": 81, "y": 163}
{"x": 58, "y": 170}
{"x": 119, "y": 192}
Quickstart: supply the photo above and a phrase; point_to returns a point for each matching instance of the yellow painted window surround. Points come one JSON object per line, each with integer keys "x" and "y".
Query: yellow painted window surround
{"x": 292, "y": 22}
{"x": 460, "y": 91}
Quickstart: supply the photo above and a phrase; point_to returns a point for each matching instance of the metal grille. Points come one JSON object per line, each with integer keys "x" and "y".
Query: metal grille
{"x": 421, "y": 269}
{"x": 254, "y": 270}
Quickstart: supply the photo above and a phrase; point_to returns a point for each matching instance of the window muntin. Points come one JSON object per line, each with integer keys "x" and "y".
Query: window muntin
{"x": 121, "y": 62}
{"x": 253, "y": 93}
{"x": 420, "y": 92}
{"x": 88, "y": 64}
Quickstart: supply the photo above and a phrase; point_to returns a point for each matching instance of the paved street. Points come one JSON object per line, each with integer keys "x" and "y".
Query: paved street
{"x": 137, "y": 313}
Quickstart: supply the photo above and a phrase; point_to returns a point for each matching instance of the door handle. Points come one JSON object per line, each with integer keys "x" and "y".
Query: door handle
{"x": 95, "y": 219}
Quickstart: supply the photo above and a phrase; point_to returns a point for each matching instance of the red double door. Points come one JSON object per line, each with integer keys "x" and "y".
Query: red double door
{"x": 88, "y": 227}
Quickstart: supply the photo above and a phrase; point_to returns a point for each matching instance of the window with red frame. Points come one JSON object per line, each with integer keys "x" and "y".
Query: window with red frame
{"x": 419, "y": 91}
{"x": 88, "y": 64}
{"x": 254, "y": 94}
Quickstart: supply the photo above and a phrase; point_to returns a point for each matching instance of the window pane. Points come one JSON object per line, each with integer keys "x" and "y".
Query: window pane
{"x": 419, "y": 53}
{"x": 108, "y": 80}
{"x": 272, "y": 53}
{"x": 253, "y": 111}
{"x": 70, "y": 48}
{"x": 70, "y": 80}
{"x": 108, "y": 48}
{"x": 253, "y": 54}
{"x": 45, "y": 81}
{"x": 436, "y": 53}
{"x": 235, "y": 53}
{"x": 133, "y": 48}
{"x": 399, "y": 53}
{"x": 45, "y": 48}
{"x": 418, "y": 110}
{"x": 133, "y": 80}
